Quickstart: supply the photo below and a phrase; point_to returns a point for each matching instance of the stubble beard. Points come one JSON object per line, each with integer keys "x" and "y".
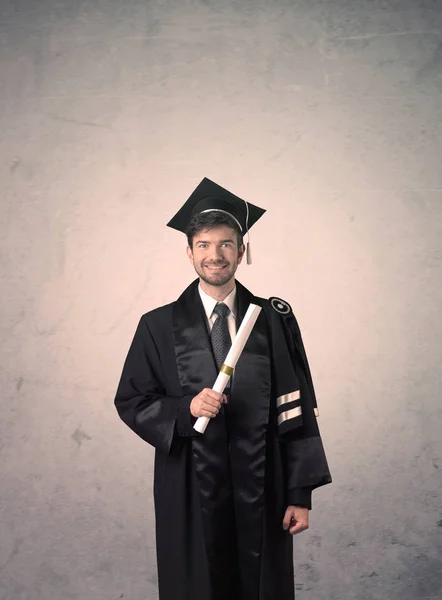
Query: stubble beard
{"x": 217, "y": 280}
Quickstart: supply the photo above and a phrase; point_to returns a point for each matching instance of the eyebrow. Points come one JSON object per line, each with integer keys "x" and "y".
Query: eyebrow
{"x": 207, "y": 242}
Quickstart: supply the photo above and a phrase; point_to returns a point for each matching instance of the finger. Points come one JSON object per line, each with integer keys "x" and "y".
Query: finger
{"x": 207, "y": 413}
{"x": 298, "y": 527}
{"x": 224, "y": 399}
{"x": 214, "y": 395}
{"x": 287, "y": 519}
{"x": 212, "y": 403}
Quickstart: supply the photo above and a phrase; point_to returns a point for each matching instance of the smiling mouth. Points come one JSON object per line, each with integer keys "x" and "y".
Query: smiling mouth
{"x": 215, "y": 269}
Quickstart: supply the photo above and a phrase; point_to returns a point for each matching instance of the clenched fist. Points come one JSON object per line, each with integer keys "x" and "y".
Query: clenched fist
{"x": 296, "y": 519}
{"x": 207, "y": 403}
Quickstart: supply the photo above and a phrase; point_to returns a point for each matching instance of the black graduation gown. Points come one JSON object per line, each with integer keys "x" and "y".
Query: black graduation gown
{"x": 220, "y": 497}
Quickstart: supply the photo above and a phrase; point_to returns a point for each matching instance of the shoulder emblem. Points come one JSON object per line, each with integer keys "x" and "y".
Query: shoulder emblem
{"x": 281, "y": 306}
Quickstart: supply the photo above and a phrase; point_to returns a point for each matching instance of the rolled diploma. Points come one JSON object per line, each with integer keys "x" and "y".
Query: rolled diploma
{"x": 232, "y": 357}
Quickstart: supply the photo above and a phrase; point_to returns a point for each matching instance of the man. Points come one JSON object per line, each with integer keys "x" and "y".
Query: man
{"x": 227, "y": 501}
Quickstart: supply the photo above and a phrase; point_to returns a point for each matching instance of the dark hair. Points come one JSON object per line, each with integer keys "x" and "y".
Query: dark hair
{"x": 203, "y": 221}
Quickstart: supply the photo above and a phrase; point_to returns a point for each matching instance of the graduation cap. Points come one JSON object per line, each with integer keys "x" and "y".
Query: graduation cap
{"x": 209, "y": 196}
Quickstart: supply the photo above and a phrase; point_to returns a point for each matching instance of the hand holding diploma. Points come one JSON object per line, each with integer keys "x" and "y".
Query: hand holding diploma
{"x": 207, "y": 403}
{"x": 231, "y": 359}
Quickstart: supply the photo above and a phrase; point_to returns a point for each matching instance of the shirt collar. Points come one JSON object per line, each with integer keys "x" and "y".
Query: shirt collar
{"x": 209, "y": 302}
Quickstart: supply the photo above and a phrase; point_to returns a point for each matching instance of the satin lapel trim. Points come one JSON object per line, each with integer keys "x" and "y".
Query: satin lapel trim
{"x": 193, "y": 351}
{"x": 256, "y": 354}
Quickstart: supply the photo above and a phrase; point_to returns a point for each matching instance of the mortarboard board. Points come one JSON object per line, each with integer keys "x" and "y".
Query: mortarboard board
{"x": 209, "y": 196}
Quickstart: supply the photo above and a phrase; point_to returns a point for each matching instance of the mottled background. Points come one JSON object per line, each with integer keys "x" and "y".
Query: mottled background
{"x": 327, "y": 113}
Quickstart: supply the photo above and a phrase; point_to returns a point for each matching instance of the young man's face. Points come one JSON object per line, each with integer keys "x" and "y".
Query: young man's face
{"x": 215, "y": 255}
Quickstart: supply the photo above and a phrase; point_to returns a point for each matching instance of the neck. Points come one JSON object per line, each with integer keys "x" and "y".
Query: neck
{"x": 218, "y": 292}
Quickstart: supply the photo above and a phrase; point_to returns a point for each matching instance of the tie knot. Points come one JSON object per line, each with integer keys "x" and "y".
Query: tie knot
{"x": 221, "y": 309}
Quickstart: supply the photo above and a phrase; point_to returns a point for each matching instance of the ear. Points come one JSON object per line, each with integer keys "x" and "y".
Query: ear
{"x": 241, "y": 251}
{"x": 189, "y": 254}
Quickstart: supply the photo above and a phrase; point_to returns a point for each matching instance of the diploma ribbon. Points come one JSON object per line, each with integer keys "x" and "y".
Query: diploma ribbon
{"x": 227, "y": 370}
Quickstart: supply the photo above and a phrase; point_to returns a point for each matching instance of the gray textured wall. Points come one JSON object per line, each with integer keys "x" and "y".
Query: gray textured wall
{"x": 329, "y": 114}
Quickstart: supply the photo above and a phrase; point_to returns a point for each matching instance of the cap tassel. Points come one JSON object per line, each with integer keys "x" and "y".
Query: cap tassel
{"x": 248, "y": 248}
{"x": 248, "y": 253}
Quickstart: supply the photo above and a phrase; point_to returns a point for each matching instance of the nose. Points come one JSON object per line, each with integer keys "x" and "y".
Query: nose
{"x": 216, "y": 254}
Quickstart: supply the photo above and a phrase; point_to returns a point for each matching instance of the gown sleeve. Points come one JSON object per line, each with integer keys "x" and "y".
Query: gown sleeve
{"x": 307, "y": 467}
{"x": 141, "y": 400}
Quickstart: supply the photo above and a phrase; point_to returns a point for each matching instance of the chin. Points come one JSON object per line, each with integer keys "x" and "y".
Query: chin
{"x": 217, "y": 281}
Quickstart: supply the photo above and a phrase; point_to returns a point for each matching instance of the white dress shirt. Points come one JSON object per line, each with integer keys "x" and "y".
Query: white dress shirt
{"x": 209, "y": 304}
